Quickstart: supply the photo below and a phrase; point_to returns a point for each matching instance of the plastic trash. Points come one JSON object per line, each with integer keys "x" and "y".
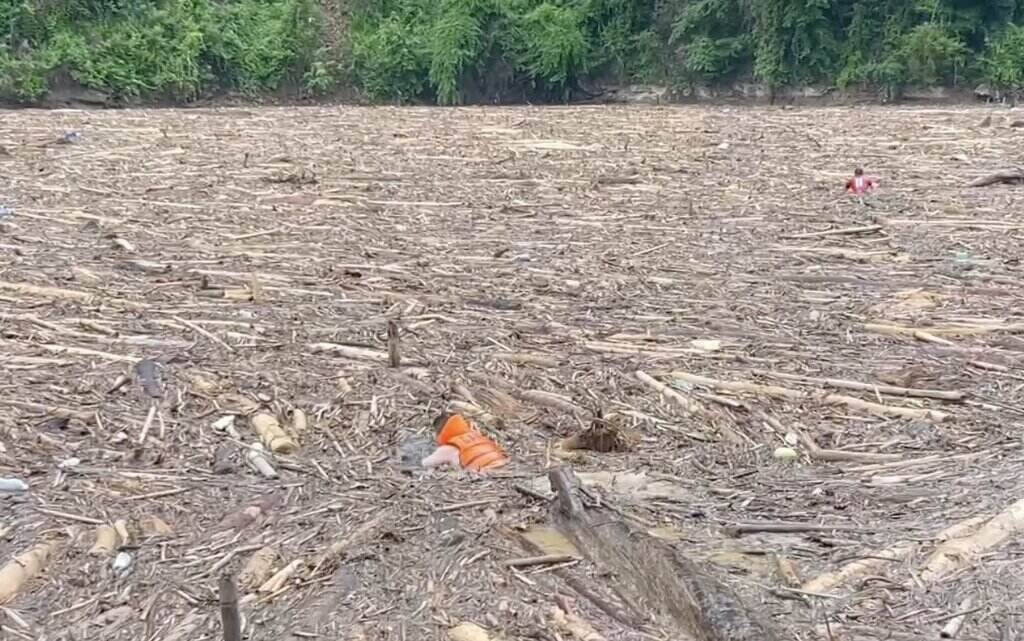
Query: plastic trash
{"x": 13, "y": 485}
{"x": 962, "y": 260}
{"x": 71, "y": 137}
{"x": 122, "y": 563}
{"x": 412, "y": 451}
{"x": 6, "y": 211}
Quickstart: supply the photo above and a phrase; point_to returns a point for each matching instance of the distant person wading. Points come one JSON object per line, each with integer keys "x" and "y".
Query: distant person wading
{"x": 860, "y": 184}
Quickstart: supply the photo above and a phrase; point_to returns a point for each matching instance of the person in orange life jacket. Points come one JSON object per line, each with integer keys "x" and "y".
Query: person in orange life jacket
{"x": 859, "y": 184}
{"x": 459, "y": 444}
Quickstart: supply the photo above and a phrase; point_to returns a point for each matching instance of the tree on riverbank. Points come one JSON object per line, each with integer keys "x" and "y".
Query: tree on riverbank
{"x": 453, "y": 51}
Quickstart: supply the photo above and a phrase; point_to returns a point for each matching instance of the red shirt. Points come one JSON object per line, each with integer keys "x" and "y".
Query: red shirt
{"x": 860, "y": 185}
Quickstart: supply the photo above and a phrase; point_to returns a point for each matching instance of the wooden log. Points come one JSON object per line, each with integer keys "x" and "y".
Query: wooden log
{"x": 1004, "y": 176}
{"x": 394, "y": 346}
{"x": 23, "y": 568}
{"x": 954, "y": 625}
{"x": 891, "y": 390}
{"x": 869, "y": 407}
{"x": 923, "y": 334}
{"x": 681, "y": 595}
{"x": 272, "y": 434}
{"x": 107, "y": 540}
{"x": 958, "y": 553}
{"x": 230, "y": 618}
{"x": 550, "y": 400}
{"x": 836, "y": 456}
{"x": 573, "y": 625}
{"x": 258, "y": 568}
{"x": 688, "y": 405}
{"x": 878, "y": 561}
{"x": 348, "y": 351}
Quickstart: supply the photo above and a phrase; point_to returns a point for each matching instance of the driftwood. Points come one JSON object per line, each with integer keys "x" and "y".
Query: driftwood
{"x": 878, "y": 409}
{"x": 500, "y": 261}
{"x": 394, "y": 345}
{"x": 24, "y": 567}
{"x": 230, "y": 618}
{"x": 958, "y": 553}
{"x": 876, "y": 562}
{"x": 1005, "y": 176}
{"x": 676, "y": 591}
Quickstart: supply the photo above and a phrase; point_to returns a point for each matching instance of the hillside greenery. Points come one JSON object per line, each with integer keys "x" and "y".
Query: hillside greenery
{"x": 455, "y": 51}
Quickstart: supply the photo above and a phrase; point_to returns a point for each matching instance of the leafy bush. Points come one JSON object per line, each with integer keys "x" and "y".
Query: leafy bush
{"x": 157, "y": 52}
{"x": 162, "y": 48}
{"x": 451, "y": 50}
{"x": 453, "y": 44}
{"x": 1003, "y": 63}
{"x": 709, "y": 40}
{"x": 549, "y": 44}
{"x": 390, "y": 60}
{"x": 932, "y": 54}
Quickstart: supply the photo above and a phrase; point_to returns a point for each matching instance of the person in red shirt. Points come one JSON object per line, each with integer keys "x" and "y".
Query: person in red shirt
{"x": 859, "y": 184}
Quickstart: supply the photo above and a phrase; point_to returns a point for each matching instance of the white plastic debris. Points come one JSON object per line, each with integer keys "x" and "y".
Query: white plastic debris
{"x": 13, "y": 485}
{"x": 122, "y": 562}
{"x": 224, "y": 422}
{"x": 69, "y": 463}
{"x": 785, "y": 454}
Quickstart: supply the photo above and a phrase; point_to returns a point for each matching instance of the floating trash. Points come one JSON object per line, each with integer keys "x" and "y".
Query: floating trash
{"x": 13, "y": 485}
{"x": 122, "y": 563}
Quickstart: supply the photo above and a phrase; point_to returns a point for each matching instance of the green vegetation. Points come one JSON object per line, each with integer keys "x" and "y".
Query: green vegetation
{"x": 455, "y": 51}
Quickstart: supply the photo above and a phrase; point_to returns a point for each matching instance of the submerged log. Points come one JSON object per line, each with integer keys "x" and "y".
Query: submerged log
{"x": 676, "y": 591}
{"x": 1006, "y": 176}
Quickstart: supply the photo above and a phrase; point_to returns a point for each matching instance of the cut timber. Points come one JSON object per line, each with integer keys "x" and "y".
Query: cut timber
{"x": 573, "y": 625}
{"x": 959, "y": 553}
{"x": 279, "y": 580}
{"x": 349, "y": 351}
{"x": 830, "y": 399}
{"x": 549, "y": 400}
{"x": 677, "y": 592}
{"x": 271, "y": 433}
{"x": 394, "y": 345}
{"x": 60, "y": 293}
{"x": 1005, "y": 176}
{"x": 107, "y": 540}
{"x": 891, "y": 390}
{"x": 927, "y": 334}
{"x": 257, "y": 569}
{"x": 690, "y": 406}
{"x": 835, "y": 456}
{"x": 469, "y": 632}
{"x": 537, "y": 360}
{"x": 23, "y": 568}
{"x": 230, "y": 618}
{"x": 877, "y": 562}
{"x": 865, "y": 229}
{"x": 835, "y": 252}
{"x": 57, "y": 412}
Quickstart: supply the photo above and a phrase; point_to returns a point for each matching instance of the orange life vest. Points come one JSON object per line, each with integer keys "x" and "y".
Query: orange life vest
{"x": 476, "y": 451}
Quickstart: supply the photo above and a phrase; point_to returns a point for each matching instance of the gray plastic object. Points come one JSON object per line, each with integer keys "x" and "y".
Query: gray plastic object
{"x": 13, "y": 485}
{"x": 413, "y": 450}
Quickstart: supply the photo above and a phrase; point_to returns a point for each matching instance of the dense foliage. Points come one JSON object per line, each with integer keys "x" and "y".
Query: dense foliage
{"x": 453, "y": 51}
